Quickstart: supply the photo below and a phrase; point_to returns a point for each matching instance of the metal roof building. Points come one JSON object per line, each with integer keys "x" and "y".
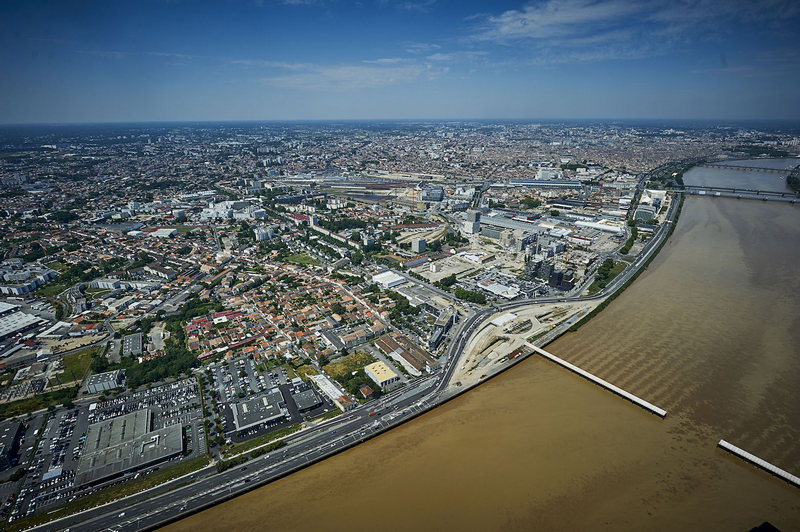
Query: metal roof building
{"x": 102, "y": 382}
{"x": 381, "y": 374}
{"x": 261, "y": 408}
{"x": 123, "y": 444}
{"x": 306, "y": 400}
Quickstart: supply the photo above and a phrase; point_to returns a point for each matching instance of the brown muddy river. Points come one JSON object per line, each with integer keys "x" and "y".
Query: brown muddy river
{"x": 711, "y": 333}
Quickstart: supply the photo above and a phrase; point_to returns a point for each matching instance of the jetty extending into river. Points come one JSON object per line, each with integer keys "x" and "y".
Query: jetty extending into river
{"x": 660, "y": 412}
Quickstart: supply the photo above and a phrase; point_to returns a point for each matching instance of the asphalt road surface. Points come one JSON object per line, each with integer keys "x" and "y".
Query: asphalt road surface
{"x": 147, "y": 511}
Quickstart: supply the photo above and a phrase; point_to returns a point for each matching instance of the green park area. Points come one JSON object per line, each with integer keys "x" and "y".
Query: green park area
{"x": 76, "y": 365}
{"x": 605, "y": 274}
{"x": 301, "y": 258}
{"x": 347, "y": 365}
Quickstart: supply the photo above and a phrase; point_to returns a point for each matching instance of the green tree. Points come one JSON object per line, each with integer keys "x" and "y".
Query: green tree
{"x": 531, "y": 203}
{"x": 447, "y": 282}
{"x": 470, "y": 295}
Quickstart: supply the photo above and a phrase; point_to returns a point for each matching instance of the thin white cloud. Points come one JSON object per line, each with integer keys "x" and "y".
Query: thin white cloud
{"x": 385, "y": 61}
{"x": 170, "y": 54}
{"x": 420, "y": 47}
{"x": 593, "y": 30}
{"x": 458, "y": 56}
{"x": 271, "y": 64}
{"x": 104, "y": 53}
{"x": 347, "y": 77}
{"x": 555, "y": 18}
{"x": 115, "y": 54}
{"x": 423, "y": 6}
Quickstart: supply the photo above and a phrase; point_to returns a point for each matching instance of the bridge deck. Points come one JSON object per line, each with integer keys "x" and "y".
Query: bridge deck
{"x": 660, "y": 412}
{"x": 748, "y": 168}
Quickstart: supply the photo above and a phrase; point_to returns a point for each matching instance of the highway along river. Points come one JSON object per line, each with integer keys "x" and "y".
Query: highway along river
{"x": 711, "y": 333}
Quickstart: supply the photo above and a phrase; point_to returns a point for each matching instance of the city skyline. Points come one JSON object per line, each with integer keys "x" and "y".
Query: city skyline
{"x": 319, "y": 60}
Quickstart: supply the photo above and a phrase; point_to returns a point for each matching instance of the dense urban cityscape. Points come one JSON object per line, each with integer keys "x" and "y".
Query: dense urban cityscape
{"x": 184, "y": 303}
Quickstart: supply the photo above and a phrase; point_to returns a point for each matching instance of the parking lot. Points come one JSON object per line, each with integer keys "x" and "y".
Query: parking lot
{"x": 236, "y": 379}
{"x": 51, "y": 474}
{"x": 50, "y": 478}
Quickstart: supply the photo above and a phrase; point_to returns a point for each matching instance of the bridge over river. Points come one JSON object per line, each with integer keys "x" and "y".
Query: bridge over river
{"x": 743, "y": 192}
{"x": 723, "y": 166}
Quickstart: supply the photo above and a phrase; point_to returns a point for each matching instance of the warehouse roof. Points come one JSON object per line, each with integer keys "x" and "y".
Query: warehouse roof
{"x": 125, "y": 443}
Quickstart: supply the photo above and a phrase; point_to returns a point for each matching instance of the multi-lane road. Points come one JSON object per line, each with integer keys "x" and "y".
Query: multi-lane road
{"x": 206, "y": 487}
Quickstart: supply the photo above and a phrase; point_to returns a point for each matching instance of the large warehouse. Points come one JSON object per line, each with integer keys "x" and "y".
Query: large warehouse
{"x": 388, "y": 279}
{"x": 124, "y": 444}
{"x": 103, "y": 382}
{"x": 259, "y": 409}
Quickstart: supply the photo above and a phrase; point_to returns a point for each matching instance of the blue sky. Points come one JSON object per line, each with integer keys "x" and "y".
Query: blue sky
{"x": 113, "y": 60}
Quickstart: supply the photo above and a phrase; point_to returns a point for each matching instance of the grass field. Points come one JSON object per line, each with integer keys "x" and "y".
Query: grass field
{"x": 77, "y": 364}
{"x": 326, "y": 416}
{"x": 95, "y": 292}
{"x": 302, "y": 258}
{"x": 304, "y": 371}
{"x": 52, "y": 289}
{"x": 245, "y": 446}
{"x": 349, "y": 364}
{"x": 57, "y": 266}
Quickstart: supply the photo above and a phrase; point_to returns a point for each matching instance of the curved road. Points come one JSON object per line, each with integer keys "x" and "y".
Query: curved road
{"x": 154, "y": 508}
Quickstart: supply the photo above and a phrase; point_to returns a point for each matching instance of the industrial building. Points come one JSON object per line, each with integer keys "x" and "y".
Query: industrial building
{"x": 16, "y": 322}
{"x": 603, "y": 225}
{"x": 340, "y": 399}
{"x": 443, "y": 323}
{"x": 306, "y": 400}
{"x": 645, "y": 213}
{"x": 433, "y": 194}
{"x": 125, "y": 444}
{"x": 561, "y": 184}
{"x": 164, "y": 232}
{"x": 132, "y": 344}
{"x": 262, "y": 408}
{"x": 388, "y": 279}
{"x": 407, "y": 353}
{"x": 381, "y": 374}
{"x": 9, "y": 441}
{"x": 103, "y": 382}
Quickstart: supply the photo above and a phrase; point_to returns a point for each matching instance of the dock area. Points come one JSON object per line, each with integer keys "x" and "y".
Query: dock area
{"x": 660, "y": 412}
{"x": 763, "y": 464}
